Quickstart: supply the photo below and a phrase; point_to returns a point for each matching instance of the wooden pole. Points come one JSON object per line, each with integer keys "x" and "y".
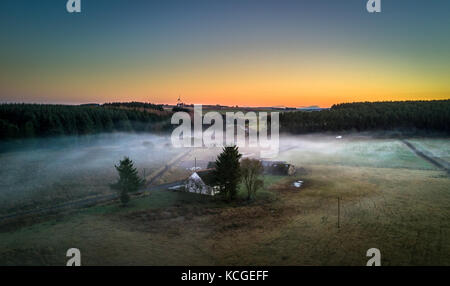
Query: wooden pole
{"x": 339, "y": 212}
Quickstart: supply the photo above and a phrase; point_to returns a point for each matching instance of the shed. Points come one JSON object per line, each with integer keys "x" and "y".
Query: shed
{"x": 278, "y": 168}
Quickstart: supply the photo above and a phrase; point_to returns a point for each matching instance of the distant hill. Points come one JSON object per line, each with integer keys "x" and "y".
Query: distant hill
{"x": 311, "y": 108}
{"x": 136, "y": 105}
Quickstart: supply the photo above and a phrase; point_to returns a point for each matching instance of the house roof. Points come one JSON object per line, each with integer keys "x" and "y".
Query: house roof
{"x": 207, "y": 176}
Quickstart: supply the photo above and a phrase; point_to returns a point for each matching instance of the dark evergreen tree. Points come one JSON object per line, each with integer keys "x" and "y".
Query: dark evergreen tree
{"x": 29, "y": 129}
{"x": 425, "y": 116}
{"x": 37, "y": 120}
{"x": 227, "y": 174}
{"x": 28, "y": 120}
{"x": 129, "y": 180}
{"x": 8, "y": 130}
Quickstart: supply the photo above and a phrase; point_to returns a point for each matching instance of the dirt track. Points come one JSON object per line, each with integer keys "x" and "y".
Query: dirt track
{"x": 101, "y": 198}
{"x": 425, "y": 156}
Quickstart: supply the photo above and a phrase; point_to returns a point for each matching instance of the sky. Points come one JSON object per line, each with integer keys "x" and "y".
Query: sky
{"x": 233, "y": 52}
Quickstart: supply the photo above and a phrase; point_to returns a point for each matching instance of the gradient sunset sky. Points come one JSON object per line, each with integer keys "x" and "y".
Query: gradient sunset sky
{"x": 233, "y": 52}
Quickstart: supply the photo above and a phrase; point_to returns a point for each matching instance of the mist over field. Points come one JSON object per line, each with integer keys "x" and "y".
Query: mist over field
{"x": 42, "y": 172}
{"x": 46, "y": 171}
{"x": 367, "y": 149}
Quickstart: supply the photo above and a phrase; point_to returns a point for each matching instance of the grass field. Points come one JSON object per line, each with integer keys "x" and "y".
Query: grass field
{"x": 359, "y": 152}
{"x": 390, "y": 199}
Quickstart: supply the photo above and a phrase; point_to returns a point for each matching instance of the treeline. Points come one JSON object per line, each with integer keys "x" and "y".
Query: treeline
{"x": 369, "y": 116}
{"x": 135, "y": 104}
{"x": 36, "y": 120}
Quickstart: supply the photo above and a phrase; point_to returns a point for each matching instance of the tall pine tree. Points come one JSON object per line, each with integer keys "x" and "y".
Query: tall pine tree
{"x": 227, "y": 174}
{"x": 129, "y": 180}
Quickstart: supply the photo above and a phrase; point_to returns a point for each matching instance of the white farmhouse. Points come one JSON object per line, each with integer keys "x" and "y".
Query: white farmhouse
{"x": 201, "y": 182}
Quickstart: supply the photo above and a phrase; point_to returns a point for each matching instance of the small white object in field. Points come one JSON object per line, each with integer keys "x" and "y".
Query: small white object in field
{"x": 298, "y": 184}
{"x": 248, "y": 155}
{"x": 338, "y": 137}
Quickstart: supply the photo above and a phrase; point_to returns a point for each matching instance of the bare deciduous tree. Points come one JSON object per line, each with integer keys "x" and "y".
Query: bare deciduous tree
{"x": 251, "y": 170}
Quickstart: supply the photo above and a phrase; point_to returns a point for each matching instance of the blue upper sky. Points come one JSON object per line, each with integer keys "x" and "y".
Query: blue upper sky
{"x": 155, "y": 50}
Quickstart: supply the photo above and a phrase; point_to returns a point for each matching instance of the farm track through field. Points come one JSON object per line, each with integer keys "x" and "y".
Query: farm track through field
{"x": 101, "y": 198}
{"x": 428, "y": 158}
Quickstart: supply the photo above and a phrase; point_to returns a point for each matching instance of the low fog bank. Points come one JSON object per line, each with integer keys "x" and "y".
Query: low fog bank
{"x": 59, "y": 169}
{"x": 368, "y": 149}
{"x": 47, "y": 171}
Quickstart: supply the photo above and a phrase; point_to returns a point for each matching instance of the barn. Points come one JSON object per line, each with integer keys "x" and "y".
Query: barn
{"x": 278, "y": 168}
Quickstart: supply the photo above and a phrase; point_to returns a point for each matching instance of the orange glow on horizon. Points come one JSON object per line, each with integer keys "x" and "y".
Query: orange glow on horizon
{"x": 274, "y": 82}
